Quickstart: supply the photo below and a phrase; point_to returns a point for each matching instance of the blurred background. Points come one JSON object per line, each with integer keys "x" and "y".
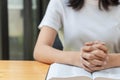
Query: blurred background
{"x": 19, "y": 20}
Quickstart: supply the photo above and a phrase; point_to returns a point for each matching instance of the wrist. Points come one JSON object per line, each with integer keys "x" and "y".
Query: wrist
{"x": 75, "y": 59}
{"x": 70, "y": 58}
{"x": 112, "y": 61}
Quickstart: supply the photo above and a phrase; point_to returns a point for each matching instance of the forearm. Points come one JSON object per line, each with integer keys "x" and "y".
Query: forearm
{"x": 49, "y": 55}
{"x": 113, "y": 61}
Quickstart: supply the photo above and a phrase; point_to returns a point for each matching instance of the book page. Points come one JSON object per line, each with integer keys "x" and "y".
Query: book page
{"x": 66, "y": 72}
{"x": 107, "y": 74}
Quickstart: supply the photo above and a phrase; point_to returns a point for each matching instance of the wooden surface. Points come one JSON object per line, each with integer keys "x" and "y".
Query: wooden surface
{"x": 22, "y": 70}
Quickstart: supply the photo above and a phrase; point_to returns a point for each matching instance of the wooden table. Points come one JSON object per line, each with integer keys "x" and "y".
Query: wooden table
{"x": 22, "y": 70}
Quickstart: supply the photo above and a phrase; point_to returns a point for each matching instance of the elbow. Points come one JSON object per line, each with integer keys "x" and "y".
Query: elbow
{"x": 36, "y": 55}
{"x": 40, "y": 55}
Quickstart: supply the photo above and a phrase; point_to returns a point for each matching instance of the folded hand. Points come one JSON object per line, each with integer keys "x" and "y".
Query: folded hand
{"x": 94, "y": 56}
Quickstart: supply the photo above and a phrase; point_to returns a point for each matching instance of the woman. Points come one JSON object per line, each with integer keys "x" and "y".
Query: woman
{"x": 90, "y": 31}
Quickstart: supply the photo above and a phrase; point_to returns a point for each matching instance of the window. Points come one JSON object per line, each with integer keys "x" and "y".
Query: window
{"x": 19, "y": 20}
{"x": 15, "y": 8}
{"x": 0, "y": 42}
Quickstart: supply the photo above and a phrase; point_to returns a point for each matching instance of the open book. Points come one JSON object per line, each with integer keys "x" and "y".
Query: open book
{"x": 66, "y": 72}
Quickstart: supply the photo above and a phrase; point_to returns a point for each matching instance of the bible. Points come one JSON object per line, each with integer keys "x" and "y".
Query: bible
{"x": 67, "y": 72}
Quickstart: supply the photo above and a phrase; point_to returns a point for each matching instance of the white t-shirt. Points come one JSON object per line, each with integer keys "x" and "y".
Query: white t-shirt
{"x": 88, "y": 24}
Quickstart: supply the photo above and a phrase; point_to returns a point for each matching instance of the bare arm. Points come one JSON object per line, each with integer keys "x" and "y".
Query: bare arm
{"x": 113, "y": 61}
{"x": 44, "y": 52}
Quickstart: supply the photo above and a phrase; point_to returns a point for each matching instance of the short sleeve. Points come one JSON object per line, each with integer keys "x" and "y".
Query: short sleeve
{"x": 52, "y": 17}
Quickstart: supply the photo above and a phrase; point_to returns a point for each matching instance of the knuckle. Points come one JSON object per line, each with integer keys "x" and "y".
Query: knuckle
{"x": 101, "y": 51}
{"x": 95, "y": 51}
{"x": 100, "y": 45}
{"x": 99, "y": 63}
{"x": 89, "y": 65}
{"x": 90, "y": 56}
{"x": 92, "y": 69}
{"x": 82, "y": 60}
{"x": 87, "y": 69}
{"x": 98, "y": 51}
{"x": 106, "y": 49}
{"x": 96, "y": 62}
{"x": 83, "y": 56}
